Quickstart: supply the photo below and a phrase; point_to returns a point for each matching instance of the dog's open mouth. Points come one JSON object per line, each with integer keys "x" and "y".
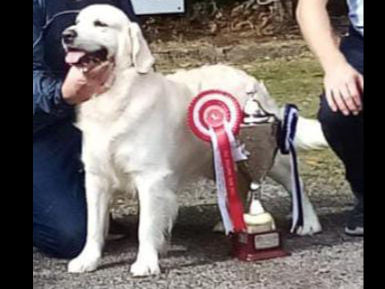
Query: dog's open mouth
{"x": 77, "y": 57}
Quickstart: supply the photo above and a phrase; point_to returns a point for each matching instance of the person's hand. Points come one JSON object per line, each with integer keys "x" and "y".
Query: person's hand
{"x": 80, "y": 85}
{"x": 343, "y": 87}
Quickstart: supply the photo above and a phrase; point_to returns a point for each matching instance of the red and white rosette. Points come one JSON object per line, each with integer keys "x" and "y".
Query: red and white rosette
{"x": 215, "y": 116}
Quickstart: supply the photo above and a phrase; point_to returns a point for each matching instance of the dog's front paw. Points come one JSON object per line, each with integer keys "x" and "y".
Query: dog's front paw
{"x": 84, "y": 264}
{"x": 142, "y": 269}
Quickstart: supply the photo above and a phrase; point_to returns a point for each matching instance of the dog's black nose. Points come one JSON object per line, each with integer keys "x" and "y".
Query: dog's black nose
{"x": 69, "y": 36}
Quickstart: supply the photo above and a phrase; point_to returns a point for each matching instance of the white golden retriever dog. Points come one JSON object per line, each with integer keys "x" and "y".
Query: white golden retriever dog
{"x": 136, "y": 137}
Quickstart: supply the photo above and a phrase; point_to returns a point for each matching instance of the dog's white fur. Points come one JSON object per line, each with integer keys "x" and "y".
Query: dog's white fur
{"x": 136, "y": 137}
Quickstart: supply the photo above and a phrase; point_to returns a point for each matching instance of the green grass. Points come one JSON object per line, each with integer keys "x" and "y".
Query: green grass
{"x": 296, "y": 81}
{"x": 299, "y": 80}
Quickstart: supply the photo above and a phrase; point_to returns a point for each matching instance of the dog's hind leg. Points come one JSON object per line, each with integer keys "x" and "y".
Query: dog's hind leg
{"x": 98, "y": 199}
{"x": 281, "y": 173}
{"x": 158, "y": 211}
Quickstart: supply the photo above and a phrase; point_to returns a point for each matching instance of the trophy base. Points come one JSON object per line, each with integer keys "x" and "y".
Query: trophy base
{"x": 260, "y": 246}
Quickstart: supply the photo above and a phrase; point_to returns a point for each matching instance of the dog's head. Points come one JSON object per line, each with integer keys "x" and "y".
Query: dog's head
{"x": 104, "y": 33}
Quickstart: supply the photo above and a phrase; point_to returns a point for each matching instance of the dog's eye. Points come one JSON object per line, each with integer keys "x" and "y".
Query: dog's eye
{"x": 99, "y": 23}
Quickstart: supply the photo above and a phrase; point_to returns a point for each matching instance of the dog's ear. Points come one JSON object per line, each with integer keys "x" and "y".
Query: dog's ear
{"x": 142, "y": 57}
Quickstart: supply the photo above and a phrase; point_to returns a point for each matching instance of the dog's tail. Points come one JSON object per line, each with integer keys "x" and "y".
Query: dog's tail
{"x": 310, "y": 135}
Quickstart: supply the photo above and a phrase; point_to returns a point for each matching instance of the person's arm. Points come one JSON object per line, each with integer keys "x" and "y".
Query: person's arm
{"x": 343, "y": 84}
{"x": 54, "y": 98}
{"x": 47, "y": 93}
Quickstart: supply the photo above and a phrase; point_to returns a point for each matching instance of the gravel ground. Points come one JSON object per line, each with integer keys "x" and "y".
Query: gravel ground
{"x": 199, "y": 258}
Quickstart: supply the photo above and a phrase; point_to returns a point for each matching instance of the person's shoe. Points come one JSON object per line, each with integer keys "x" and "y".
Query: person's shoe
{"x": 355, "y": 226}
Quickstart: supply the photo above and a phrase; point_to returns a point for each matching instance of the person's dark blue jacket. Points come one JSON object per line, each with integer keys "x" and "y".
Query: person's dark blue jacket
{"x": 59, "y": 209}
{"x": 50, "y": 18}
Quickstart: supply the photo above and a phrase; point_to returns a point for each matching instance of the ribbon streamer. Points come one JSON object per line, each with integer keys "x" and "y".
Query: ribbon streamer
{"x": 287, "y": 147}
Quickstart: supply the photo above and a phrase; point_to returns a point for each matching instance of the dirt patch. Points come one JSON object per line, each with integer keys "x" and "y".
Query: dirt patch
{"x": 174, "y": 55}
{"x": 224, "y": 20}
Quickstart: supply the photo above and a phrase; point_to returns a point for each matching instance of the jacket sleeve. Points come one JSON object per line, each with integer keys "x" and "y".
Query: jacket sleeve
{"x": 126, "y": 6}
{"x": 48, "y": 103}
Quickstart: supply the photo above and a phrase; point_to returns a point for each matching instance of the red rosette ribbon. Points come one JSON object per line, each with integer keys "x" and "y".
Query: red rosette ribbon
{"x": 215, "y": 116}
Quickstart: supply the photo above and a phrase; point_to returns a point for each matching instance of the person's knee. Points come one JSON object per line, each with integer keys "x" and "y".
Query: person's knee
{"x": 334, "y": 124}
{"x": 71, "y": 242}
{"x": 62, "y": 241}
{"x": 59, "y": 205}
{"x": 328, "y": 118}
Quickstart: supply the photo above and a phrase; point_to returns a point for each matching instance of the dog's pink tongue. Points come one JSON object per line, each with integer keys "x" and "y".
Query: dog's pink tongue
{"x": 73, "y": 57}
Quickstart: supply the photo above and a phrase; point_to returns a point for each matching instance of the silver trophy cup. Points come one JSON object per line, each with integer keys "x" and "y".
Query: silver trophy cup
{"x": 259, "y": 137}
